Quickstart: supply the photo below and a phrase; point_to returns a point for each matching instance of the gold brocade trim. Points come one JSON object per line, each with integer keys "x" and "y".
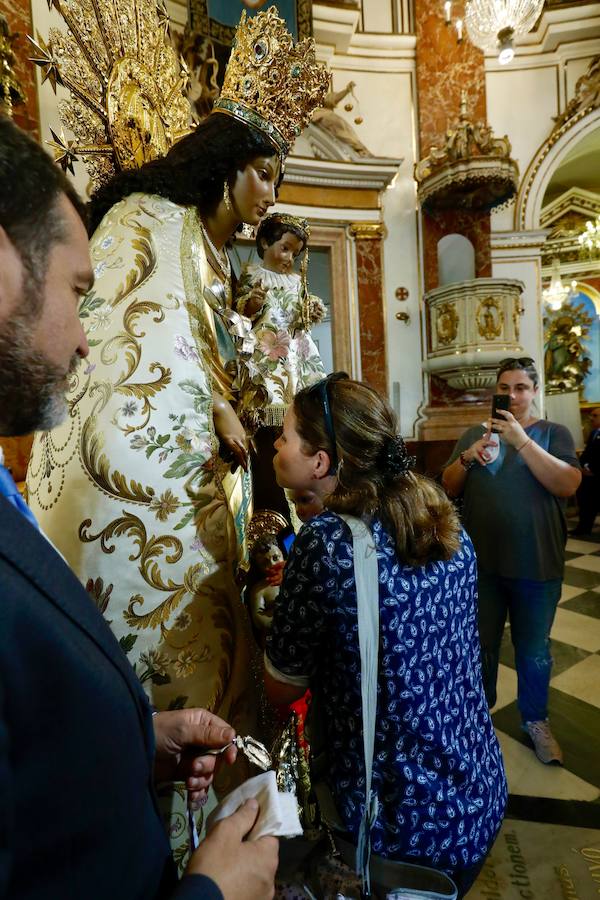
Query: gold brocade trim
{"x": 97, "y": 467}
{"x": 149, "y": 549}
{"x": 195, "y": 269}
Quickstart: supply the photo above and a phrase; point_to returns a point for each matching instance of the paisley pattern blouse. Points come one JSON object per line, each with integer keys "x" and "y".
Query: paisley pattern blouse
{"x": 437, "y": 768}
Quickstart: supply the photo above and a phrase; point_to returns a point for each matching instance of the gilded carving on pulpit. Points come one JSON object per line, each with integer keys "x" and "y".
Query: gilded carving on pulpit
{"x": 490, "y": 318}
{"x": 446, "y": 323}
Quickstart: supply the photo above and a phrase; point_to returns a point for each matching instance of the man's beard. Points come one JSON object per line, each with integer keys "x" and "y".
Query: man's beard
{"x": 32, "y": 389}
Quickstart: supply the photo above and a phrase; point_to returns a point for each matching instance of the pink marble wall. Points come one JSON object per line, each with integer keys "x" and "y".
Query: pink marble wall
{"x": 370, "y": 302}
{"x": 18, "y": 16}
{"x": 445, "y": 68}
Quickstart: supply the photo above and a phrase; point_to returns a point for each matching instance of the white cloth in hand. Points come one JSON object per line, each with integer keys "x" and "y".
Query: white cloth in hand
{"x": 278, "y": 811}
{"x": 493, "y": 448}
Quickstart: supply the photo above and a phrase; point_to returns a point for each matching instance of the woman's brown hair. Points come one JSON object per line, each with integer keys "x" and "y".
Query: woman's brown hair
{"x": 374, "y": 477}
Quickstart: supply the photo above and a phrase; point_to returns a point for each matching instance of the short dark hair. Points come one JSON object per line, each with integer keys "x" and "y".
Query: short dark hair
{"x": 30, "y": 187}
{"x": 271, "y": 230}
{"x": 519, "y": 363}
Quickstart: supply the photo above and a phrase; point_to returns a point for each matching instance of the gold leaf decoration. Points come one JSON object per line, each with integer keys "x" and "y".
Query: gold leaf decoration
{"x": 127, "y": 87}
{"x": 97, "y": 466}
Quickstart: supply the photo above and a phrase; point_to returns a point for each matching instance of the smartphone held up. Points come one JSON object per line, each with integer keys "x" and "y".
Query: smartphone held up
{"x": 499, "y": 401}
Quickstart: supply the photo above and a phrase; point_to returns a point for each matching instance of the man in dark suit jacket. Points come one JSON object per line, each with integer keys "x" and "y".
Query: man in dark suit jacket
{"x": 79, "y": 746}
{"x": 588, "y": 493}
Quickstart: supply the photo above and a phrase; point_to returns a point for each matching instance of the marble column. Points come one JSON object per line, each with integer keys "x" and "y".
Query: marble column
{"x": 368, "y": 238}
{"x": 18, "y": 15}
{"x": 445, "y": 68}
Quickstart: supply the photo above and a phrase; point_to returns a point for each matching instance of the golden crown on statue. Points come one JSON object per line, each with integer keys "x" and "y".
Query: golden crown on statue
{"x": 287, "y": 219}
{"x": 270, "y": 82}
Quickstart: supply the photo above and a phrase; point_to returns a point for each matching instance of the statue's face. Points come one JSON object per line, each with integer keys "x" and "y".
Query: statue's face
{"x": 267, "y": 558}
{"x": 253, "y": 191}
{"x": 280, "y": 255}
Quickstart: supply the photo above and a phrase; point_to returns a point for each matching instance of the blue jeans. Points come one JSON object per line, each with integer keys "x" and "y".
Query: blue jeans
{"x": 531, "y": 606}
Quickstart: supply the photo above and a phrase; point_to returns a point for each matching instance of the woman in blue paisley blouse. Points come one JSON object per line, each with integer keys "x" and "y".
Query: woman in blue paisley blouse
{"x": 437, "y": 765}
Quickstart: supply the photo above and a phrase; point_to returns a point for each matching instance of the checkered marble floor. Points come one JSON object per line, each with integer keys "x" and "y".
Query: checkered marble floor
{"x": 549, "y": 846}
{"x": 574, "y": 690}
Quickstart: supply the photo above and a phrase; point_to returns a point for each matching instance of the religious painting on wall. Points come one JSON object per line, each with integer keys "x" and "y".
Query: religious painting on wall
{"x": 217, "y": 19}
{"x": 572, "y": 345}
{"x": 589, "y": 298}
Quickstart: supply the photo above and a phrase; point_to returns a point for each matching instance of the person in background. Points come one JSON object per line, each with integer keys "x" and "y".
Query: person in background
{"x": 437, "y": 766}
{"x": 588, "y": 492}
{"x": 513, "y": 510}
{"x": 77, "y": 735}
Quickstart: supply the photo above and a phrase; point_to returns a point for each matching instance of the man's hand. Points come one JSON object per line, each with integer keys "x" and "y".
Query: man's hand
{"x": 181, "y": 736}
{"x": 244, "y": 870}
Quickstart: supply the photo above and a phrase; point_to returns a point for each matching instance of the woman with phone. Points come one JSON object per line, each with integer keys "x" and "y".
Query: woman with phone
{"x": 513, "y": 509}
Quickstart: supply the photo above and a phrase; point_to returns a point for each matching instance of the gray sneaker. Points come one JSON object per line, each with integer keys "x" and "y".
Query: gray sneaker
{"x": 545, "y": 745}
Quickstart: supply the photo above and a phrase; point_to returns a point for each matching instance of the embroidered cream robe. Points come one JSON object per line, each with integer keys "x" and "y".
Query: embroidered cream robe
{"x": 131, "y": 489}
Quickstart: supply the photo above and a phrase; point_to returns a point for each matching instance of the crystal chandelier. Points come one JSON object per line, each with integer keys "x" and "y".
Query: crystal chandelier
{"x": 493, "y": 24}
{"x": 557, "y": 293}
{"x": 590, "y": 238}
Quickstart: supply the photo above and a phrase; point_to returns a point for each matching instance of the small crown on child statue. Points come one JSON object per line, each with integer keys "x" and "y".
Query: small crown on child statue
{"x": 270, "y": 82}
{"x": 287, "y": 219}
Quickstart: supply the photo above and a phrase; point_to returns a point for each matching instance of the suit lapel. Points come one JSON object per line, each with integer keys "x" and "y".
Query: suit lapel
{"x": 28, "y": 551}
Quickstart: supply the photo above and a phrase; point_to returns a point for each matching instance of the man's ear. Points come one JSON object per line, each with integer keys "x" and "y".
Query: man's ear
{"x": 11, "y": 274}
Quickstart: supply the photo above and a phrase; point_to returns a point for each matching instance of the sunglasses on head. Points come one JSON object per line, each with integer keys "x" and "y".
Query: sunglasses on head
{"x": 321, "y": 389}
{"x": 521, "y": 360}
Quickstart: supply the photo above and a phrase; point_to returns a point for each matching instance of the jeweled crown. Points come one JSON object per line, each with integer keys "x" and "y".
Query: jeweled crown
{"x": 270, "y": 82}
{"x": 287, "y": 219}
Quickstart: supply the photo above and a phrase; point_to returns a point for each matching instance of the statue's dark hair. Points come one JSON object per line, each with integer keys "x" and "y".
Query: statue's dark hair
{"x": 30, "y": 187}
{"x": 193, "y": 172}
{"x": 271, "y": 230}
{"x": 264, "y": 543}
